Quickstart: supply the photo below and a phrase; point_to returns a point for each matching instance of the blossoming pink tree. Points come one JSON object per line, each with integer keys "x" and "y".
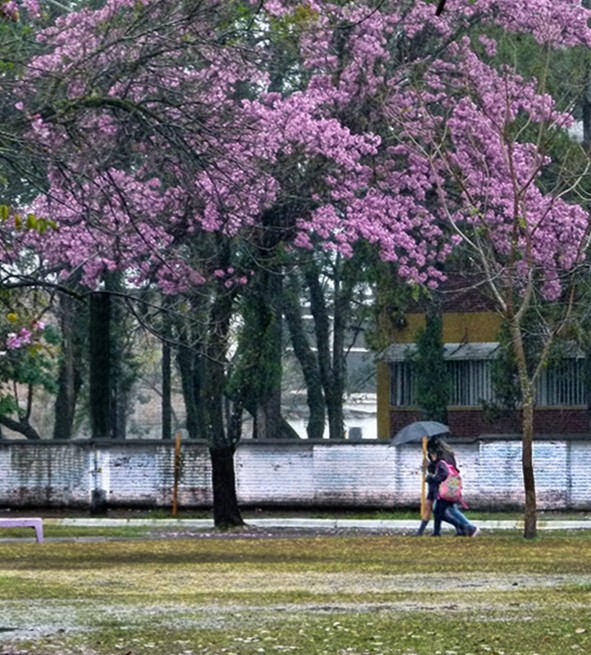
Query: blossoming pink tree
{"x": 528, "y": 245}
{"x": 170, "y": 137}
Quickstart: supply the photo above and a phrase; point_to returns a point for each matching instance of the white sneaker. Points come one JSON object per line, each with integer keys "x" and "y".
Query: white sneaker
{"x": 476, "y": 532}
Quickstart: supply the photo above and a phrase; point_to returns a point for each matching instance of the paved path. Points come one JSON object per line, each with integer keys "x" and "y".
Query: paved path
{"x": 313, "y": 524}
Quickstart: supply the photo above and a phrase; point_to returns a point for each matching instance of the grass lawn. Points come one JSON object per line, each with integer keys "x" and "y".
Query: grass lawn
{"x": 334, "y": 595}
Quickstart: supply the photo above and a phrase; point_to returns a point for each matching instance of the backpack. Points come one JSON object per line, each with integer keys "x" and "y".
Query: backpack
{"x": 451, "y": 488}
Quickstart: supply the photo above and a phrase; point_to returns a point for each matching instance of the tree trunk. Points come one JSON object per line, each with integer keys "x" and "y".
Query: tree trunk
{"x": 188, "y": 364}
{"x": 69, "y": 378}
{"x": 123, "y": 368}
{"x": 269, "y": 406}
{"x": 226, "y": 513}
{"x": 286, "y": 431}
{"x": 319, "y": 309}
{"x": 292, "y": 309}
{"x": 190, "y": 332}
{"x": 100, "y": 366}
{"x": 166, "y": 392}
{"x": 345, "y": 278}
{"x": 168, "y": 305}
{"x": 268, "y": 417}
{"x": 22, "y": 427}
{"x": 119, "y": 405}
{"x": 255, "y": 382}
{"x": 225, "y": 503}
{"x": 530, "y": 520}
{"x": 272, "y": 404}
{"x": 527, "y": 387}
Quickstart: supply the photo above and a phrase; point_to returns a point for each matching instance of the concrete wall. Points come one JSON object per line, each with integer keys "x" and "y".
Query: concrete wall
{"x": 300, "y": 474}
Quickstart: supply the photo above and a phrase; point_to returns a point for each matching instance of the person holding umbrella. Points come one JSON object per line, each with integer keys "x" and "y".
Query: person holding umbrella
{"x": 432, "y": 432}
{"x": 430, "y": 499}
{"x": 421, "y": 432}
{"x": 440, "y": 456}
{"x": 429, "y": 502}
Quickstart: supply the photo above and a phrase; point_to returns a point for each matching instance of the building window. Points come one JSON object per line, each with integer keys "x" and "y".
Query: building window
{"x": 403, "y": 387}
{"x": 471, "y": 384}
{"x": 563, "y": 384}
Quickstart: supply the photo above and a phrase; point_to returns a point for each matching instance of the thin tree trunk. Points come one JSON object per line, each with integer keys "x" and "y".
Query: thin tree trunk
{"x": 166, "y": 369}
{"x": 190, "y": 360}
{"x": 322, "y": 331}
{"x": 344, "y": 282}
{"x": 292, "y": 310}
{"x": 527, "y": 412}
{"x": 22, "y": 427}
{"x": 269, "y": 410}
{"x": 166, "y": 391}
{"x": 256, "y": 378}
{"x": 188, "y": 364}
{"x": 100, "y": 366}
{"x": 69, "y": 379}
{"x": 530, "y": 520}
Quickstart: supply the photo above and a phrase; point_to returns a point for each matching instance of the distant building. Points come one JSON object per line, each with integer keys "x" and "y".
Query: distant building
{"x": 470, "y": 336}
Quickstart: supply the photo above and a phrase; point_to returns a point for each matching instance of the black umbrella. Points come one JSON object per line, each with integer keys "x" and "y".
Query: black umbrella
{"x": 415, "y": 432}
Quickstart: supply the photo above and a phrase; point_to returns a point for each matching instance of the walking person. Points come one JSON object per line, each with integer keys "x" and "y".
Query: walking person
{"x": 442, "y": 457}
{"x": 430, "y": 500}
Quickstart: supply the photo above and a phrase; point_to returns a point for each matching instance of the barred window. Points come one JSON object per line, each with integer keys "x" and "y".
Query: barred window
{"x": 563, "y": 384}
{"x": 403, "y": 389}
{"x": 471, "y": 384}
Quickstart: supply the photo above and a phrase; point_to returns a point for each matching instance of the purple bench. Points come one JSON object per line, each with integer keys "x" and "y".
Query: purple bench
{"x": 36, "y": 524}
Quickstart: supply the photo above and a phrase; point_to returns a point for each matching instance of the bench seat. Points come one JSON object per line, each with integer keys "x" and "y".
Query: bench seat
{"x": 35, "y": 523}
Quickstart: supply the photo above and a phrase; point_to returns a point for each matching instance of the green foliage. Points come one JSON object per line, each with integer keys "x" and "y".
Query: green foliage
{"x": 28, "y": 222}
{"x": 8, "y": 405}
{"x": 257, "y": 369}
{"x": 561, "y": 73}
{"x": 432, "y": 379}
{"x": 30, "y": 364}
{"x": 392, "y": 297}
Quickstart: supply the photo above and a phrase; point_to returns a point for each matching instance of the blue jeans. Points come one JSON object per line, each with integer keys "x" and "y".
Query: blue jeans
{"x": 456, "y": 514}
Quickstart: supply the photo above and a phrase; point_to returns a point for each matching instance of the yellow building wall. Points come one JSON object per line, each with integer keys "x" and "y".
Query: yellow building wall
{"x": 474, "y": 327}
{"x": 383, "y": 399}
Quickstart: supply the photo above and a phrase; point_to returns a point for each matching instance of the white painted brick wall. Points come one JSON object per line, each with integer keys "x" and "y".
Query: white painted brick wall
{"x": 303, "y": 473}
{"x": 286, "y": 479}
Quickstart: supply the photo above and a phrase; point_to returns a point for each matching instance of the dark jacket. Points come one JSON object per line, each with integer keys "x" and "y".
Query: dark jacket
{"x": 437, "y": 472}
{"x": 432, "y": 486}
{"x": 440, "y": 472}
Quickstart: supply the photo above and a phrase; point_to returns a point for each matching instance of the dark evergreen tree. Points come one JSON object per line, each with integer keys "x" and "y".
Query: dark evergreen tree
{"x": 432, "y": 376}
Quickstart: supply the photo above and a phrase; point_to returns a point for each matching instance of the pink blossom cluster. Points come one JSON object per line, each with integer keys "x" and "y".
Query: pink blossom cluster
{"x": 26, "y": 336}
{"x": 498, "y": 176}
{"x": 168, "y": 133}
{"x": 9, "y": 9}
{"x": 15, "y": 340}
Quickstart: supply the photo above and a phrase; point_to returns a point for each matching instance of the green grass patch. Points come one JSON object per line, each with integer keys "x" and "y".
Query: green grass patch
{"x": 365, "y": 595}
